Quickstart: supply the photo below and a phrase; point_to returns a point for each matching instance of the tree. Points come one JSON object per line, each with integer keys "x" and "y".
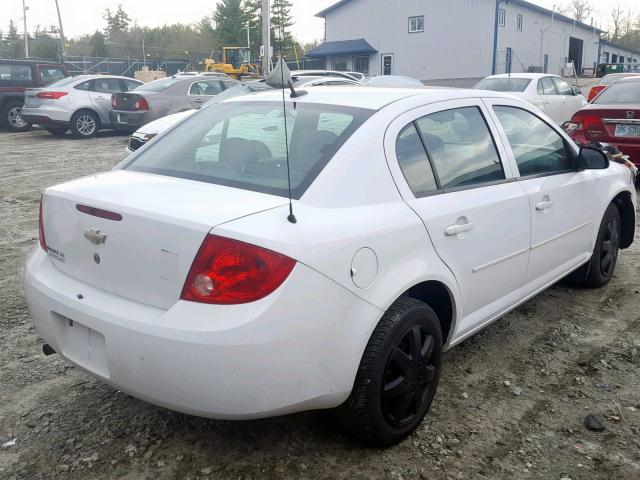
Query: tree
{"x": 13, "y": 31}
{"x": 117, "y": 22}
{"x": 98, "y": 44}
{"x": 281, "y": 21}
{"x": 617, "y": 18}
{"x": 581, "y": 9}
{"x": 231, "y": 18}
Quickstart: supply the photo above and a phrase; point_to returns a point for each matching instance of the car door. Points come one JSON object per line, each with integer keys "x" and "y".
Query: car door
{"x": 571, "y": 101}
{"x": 100, "y": 94}
{"x": 203, "y": 90}
{"x": 561, "y": 199}
{"x": 553, "y": 103}
{"x": 452, "y": 173}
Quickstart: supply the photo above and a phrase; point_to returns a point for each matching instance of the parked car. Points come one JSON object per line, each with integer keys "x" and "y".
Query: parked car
{"x": 361, "y": 77}
{"x": 612, "y": 117}
{"x": 550, "y": 93}
{"x": 606, "y": 81}
{"x": 151, "y": 130}
{"x": 394, "y": 81}
{"x": 208, "y": 274}
{"x": 163, "y": 97}
{"x": 323, "y": 73}
{"x": 15, "y": 77}
{"x": 80, "y": 104}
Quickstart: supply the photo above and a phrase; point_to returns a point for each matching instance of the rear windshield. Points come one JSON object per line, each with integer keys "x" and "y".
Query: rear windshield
{"x": 242, "y": 145}
{"x": 503, "y": 84}
{"x": 63, "y": 82}
{"x": 609, "y": 79}
{"x": 159, "y": 85}
{"x": 620, "y": 93}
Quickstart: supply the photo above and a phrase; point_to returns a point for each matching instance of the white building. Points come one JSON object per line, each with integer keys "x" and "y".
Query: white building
{"x": 437, "y": 39}
{"x": 613, "y": 53}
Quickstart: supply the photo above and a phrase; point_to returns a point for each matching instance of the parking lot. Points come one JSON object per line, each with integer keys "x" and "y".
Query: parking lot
{"x": 511, "y": 403}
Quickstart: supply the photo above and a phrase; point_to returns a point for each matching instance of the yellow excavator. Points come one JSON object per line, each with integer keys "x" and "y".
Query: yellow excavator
{"x": 234, "y": 61}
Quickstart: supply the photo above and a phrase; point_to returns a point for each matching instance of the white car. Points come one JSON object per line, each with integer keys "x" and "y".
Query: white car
{"x": 185, "y": 277}
{"x": 394, "y": 81}
{"x": 550, "y": 93}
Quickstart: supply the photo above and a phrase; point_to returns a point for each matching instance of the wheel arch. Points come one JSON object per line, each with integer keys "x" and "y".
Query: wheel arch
{"x": 441, "y": 299}
{"x": 627, "y": 216}
{"x": 90, "y": 110}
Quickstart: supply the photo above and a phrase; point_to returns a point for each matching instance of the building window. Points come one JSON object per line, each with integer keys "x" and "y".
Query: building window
{"x": 339, "y": 64}
{"x": 501, "y": 17}
{"x": 361, "y": 64}
{"x": 416, "y": 24}
{"x": 520, "y": 23}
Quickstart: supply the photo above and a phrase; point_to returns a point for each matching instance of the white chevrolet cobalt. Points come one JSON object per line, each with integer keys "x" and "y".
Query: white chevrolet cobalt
{"x": 185, "y": 278}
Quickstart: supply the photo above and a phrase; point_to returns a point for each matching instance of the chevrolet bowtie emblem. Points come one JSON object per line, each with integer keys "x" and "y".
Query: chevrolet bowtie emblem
{"x": 94, "y": 236}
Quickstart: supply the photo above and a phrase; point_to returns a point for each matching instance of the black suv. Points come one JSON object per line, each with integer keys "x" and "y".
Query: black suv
{"x": 15, "y": 77}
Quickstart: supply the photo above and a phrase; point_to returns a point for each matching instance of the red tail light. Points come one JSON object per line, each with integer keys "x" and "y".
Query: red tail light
{"x": 43, "y": 241}
{"x": 114, "y": 102}
{"x": 141, "y": 104}
{"x": 589, "y": 123}
{"x": 593, "y": 93}
{"x": 228, "y": 272}
{"x": 52, "y": 95}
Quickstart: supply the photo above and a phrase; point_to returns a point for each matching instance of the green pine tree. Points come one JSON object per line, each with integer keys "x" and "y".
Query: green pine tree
{"x": 281, "y": 22}
{"x": 231, "y": 20}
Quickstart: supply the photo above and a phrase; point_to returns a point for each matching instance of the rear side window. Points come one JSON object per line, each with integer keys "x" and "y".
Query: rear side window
{"x": 86, "y": 86}
{"x": 207, "y": 87}
{"x": 546, "y": 87}
{"x": 538, "y": 148}
{"x": 130, "y": 85}
{"x": 107, "y": 85}
{"x": 15, "y": 73}
{"x": 414, "y": 162}
{"x": 242, "y": 145}
{"x": 461, "y": 148}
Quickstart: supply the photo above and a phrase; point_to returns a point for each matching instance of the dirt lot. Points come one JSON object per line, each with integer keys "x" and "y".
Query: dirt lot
{"x": 511, "y": 403}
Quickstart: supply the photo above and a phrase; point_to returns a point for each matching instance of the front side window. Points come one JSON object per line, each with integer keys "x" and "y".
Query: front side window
{"x": 546, "y": 87}
{"x": 562, "y": 87}
{"x": 461, "y": 148}
{"x": 538, "y": 148}
{"x": 414, "y": 162}
{"x": 207, "y": 87}
{"x": 502, "y": 15}
{"x": 242, "y": 145}
{"x": 416, "y": 24}
{"x": 12, "y": 73}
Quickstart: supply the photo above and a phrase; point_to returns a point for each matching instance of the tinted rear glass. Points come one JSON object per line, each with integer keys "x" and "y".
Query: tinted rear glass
{"x": 64, "y": 81}
{"x": 503, "y": 84}
{"x": 160, "y": 85}
{"x": 242, "y": 145}
{"x": 620, "y": 93}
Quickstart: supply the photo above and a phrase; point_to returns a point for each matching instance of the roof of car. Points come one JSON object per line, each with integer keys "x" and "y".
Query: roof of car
{"x": 372, "y": 98}
{"x": 633, "y": 78}
{"x": 530, "y": 76}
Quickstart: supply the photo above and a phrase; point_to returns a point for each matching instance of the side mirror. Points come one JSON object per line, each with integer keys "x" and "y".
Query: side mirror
{"x": 577, "y": 91}
{"x": 592, "y": 159}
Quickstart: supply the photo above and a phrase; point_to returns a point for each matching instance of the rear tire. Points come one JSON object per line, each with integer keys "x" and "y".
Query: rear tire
{"x": 10, "y": 117}
{"x": 57, "y": 132}
{"x": 398, "y": 375}
{"x": 598, "y": 272}
{"x": 84, "y": 124}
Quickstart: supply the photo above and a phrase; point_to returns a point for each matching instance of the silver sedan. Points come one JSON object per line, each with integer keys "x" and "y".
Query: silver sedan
{"x": 80, "y": 104}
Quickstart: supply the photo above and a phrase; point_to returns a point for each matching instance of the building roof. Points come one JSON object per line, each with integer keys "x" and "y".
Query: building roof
{"x": 620, "y": 47}
{"x": 342, "y": 47}
{"x": 522, "y": 3}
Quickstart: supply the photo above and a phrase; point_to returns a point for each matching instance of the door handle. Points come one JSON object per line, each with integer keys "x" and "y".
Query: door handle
{"x": 458, "y": 228}
{"x": 198, "y": 100}
{"x": 544, "y": 205}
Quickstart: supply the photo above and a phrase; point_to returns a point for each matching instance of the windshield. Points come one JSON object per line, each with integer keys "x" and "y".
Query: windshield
{"x": 503, "y": 84}
{"x": 242, "y": 145}
{"x": 620, "y": 93}
{"x": 159, "y": 85}
{"x": 63, "y": 82}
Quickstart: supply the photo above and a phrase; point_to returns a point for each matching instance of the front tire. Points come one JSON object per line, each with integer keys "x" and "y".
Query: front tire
{"x": 84, "y": 124}
{"x": 398, "y": 375}
{"x": 10, "y": 117}
{"x": 598, "y": 272}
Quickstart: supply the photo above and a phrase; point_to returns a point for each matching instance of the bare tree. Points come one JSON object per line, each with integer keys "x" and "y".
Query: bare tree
{"x": 617, "y": 19}
{"x": 581, "y": 9}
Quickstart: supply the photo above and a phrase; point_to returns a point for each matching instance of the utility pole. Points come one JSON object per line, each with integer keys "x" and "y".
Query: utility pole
{"x": 266, "y": 37}
{"x": 26, "y": 35}
{"x": 63, "y": 48}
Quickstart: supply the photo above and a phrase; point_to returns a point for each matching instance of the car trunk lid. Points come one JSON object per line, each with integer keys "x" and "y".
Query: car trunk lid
{"x": 617, "y": 123}
{"x": 136, "y": 234}
{"x": 129, "y": 101}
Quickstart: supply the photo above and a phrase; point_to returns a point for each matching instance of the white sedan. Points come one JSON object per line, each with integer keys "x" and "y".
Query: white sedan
{"x": 185, "y": 277}
{"x": 550, "y": 93}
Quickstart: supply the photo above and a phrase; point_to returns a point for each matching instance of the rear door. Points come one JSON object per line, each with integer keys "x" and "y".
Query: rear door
{"x": 561, "y": 200}
{"x": 553, "y": 103}
{"x": 452, "y": 173}
{"x": 570, "y": 100}
{"x": 102, "y": 89}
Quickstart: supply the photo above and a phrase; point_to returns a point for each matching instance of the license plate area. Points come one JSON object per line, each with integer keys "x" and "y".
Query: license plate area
{"x": 122, "y": 118}
{"x": 627, "y": 130}
{"x": 82, "y": 345}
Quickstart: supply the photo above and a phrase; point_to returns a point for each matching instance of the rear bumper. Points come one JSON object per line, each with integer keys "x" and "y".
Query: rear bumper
{"x": 46, "y": 116}
{"x": 285, "y": 353}
{"x": 129, "y": 121}
{"x": 44, "y": 121}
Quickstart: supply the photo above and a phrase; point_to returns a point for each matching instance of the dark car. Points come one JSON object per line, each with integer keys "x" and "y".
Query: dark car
{"x": 15, "y": 77}
{"x": 613, "y": 117}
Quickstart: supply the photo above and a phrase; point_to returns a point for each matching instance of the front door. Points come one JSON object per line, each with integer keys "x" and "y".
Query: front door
{"x": 560, "y": 203}
{"x": 452, "y": 175}
{"x": 387, "y": 64}
{"x": 553, "y": 103}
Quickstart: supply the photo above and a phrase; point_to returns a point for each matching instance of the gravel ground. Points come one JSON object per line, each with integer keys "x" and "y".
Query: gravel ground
{"x": 511, "y": 403}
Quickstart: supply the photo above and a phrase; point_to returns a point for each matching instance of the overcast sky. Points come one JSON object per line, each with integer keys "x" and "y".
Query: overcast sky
{"x": 85, "y": 16}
